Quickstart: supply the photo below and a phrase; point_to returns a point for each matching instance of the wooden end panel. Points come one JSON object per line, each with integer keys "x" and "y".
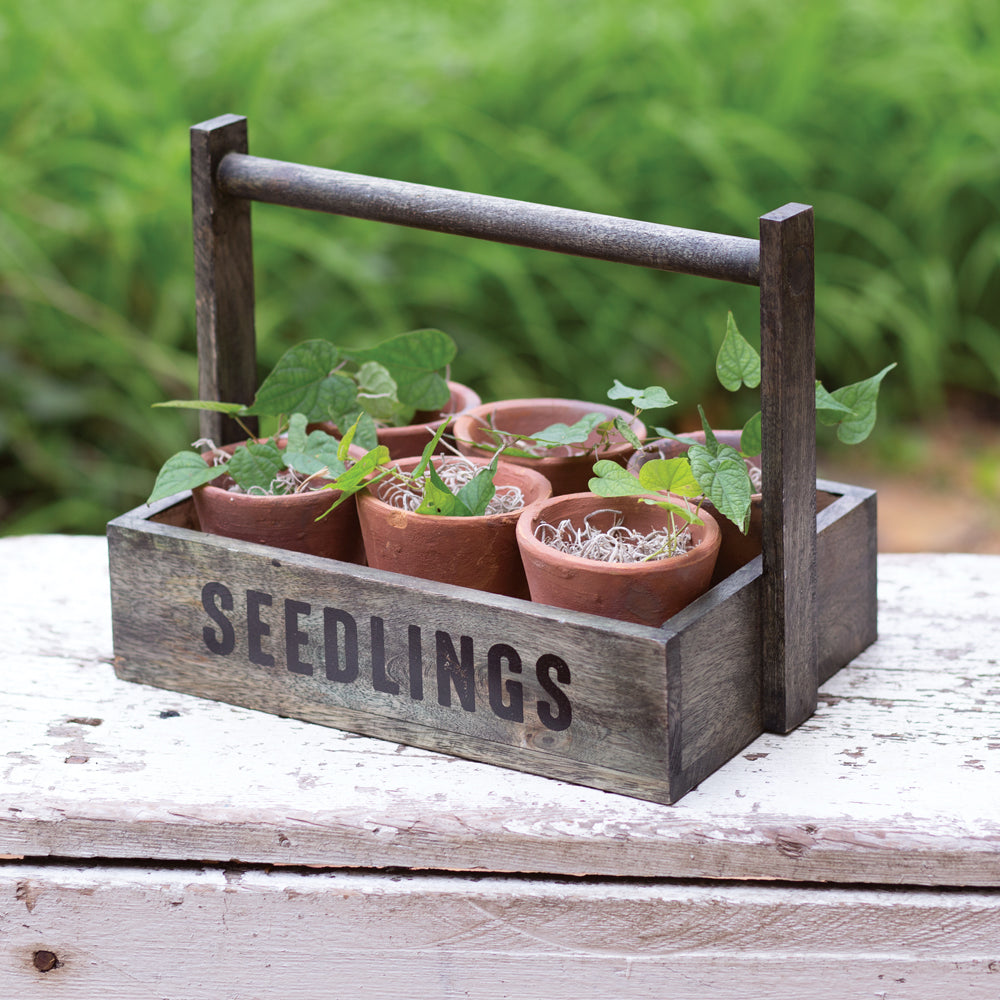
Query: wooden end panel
{"x": 847, "y": 551}
{"x": 716, "y": 653}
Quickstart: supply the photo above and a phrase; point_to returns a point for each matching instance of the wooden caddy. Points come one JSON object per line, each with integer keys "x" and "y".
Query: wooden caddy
{"x": 647, "y": 712}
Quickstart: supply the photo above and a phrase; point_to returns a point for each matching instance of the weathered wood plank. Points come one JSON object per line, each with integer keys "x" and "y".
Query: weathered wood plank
{"x": 788, "y": 465}
{"x": 388, "y": 656}
{"x": 893, "y": 780}
{"x": 223, "y": 272}
{"x": 208, "y": 934}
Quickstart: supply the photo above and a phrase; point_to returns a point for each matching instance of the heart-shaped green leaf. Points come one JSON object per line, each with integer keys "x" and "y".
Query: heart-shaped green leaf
{"x": 316, "y": 452}
{"x": 477, "y": 493}
{"x": 737, "y": 363}
{"x": 611, "y": 480}
{"x": 416, "y": 361}
{"x": 303, "y": 381}
{"x": 186, "y": 470}
{"x": 861, "y": 398}
{"x": 255, "y": 466}
{"x": 722, "y": 473}
{"x": 438, "y": 499}
{"x": 558, "y": 435}
{"x": 829, "y": 410}
{"x": 670, "y": 475}
{"x": 653, "y": 397}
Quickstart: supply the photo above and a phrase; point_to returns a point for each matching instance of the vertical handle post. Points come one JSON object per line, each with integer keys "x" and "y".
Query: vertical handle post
{"x": 788, "y": 459}
{"x": 223, "y": 268}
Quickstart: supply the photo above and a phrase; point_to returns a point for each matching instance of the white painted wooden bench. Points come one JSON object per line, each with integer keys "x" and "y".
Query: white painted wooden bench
{"x": 156, "y": 845}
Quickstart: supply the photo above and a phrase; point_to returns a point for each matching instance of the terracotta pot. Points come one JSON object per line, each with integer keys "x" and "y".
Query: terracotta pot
{"x": 286, "y": 522}
{"x": 736, "y": 549}
{"x": 647, "y": 593}
{"x": 567, "y": 473}
{"x": 411, "y": 439}
{"x": 477, "y": 552}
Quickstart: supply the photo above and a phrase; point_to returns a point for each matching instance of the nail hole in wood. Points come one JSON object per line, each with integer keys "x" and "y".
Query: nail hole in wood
{"x": 45, "y": 961}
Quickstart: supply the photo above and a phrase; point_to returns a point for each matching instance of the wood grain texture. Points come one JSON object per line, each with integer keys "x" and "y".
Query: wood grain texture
{"x": 223, "y": 269}
{"x": 502, "y": 220}
{"x": 893, "y": 780}
{"x": 788, "y": 465}
{"x": 359, "y": 632}
{"x": 229, "y": 934}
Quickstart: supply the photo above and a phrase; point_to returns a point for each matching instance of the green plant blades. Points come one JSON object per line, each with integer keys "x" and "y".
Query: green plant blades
{"x": 317, "y": 452}
{"x": 557, "y": 435}
{"x": 477, "y": 493}
{"x": 624, "y": 427}
{"x": 416, "y": 361}
{"x": 670, "y": 475}
{"x": 303, "y": 381}
{"x": 358, "y": 476}
{"x": 611, "y": 480}
{"x": 861, "y": 398}
{"x": 737, "y": 363}
{"x": 186, "y": 470}
{"x": 750, "y": 437}
{"x": 255, "y": 466}
{"x": 653, "y": 397}
{"x": 438, "y": 499}
{"x": 722, "y": 473}
{"x": 202, "y": 404}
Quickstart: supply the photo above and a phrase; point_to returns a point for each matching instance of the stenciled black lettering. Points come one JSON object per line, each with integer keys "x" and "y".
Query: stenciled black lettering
{"x": 216, "y": 598}
{"x": 455, "y": 670}
{"x": 295, "y": 638}
{"x": 563, "y": 716}
{"x": 416, "y": 663}
{"x": 343, "y": 669}
{"x": 257, "y": 629}
{"x": 514, "y": 710}
{"x": 381, "y": 681}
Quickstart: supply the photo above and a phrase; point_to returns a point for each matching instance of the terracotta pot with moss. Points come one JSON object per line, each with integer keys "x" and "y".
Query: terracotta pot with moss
{"x": 647, "y": 592}
{"x": 478, "y": 551}
{"x": 515, "y": 424}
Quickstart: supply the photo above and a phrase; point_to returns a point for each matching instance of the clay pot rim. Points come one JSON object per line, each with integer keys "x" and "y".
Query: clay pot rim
{"x": 368, "y": 497}
{"x": 531, "y": 546}
{"x": 469, "y": 418}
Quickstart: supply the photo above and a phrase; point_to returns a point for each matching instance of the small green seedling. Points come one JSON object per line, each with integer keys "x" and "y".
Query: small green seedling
{"x": 471, "y": 499}
{"x": 316, "y": 382}
{"x": 720, "y": 470}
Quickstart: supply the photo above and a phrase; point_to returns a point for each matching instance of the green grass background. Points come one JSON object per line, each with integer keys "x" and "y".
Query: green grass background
{"x": 883, "y": 114}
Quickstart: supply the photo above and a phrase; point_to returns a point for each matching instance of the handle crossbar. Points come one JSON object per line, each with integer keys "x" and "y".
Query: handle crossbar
{"x": 502, "y": 220}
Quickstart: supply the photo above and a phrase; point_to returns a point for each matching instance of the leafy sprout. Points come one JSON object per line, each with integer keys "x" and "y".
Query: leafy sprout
{"x": 719, "y": 471}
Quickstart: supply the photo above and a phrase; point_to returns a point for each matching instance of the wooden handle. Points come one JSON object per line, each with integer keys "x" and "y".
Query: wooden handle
{"x": 223, "y": 274}
{"x": 788, "y": 464}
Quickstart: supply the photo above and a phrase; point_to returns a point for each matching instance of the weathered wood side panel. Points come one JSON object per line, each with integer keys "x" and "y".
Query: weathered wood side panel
{"x": 716, "y": 657}
{"x": 223, "y": 275}
{"x": 375, "y": 653}
{"x": 847, "y": 553}
{"x": 231, "y": 933}
{"x": 788, "y": 418}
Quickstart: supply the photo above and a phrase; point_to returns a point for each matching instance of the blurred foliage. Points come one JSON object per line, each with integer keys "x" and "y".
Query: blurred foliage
{"x": 880, "y": 113}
